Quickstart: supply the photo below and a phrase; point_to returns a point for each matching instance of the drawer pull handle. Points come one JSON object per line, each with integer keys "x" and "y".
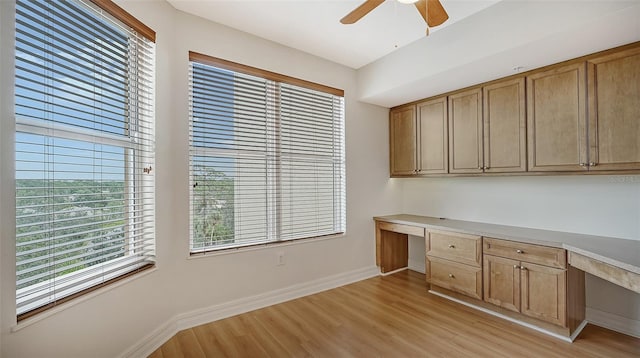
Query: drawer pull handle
{"x": 452, "y": 246}
{"x": 451, "y": 275}
{"x": 519, "y": 251}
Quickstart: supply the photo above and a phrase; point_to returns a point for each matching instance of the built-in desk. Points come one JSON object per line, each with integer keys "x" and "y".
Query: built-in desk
{"x": 532, "y": 277}
{"x": 615, "y": 260}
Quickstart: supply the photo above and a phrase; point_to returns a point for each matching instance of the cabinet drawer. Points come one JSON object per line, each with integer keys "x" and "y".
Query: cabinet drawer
{"x": 454, "y": 276}
{"x": 403, "y": 229}
{"x": 462, "y": 248}
{"x": 537, "y": 254}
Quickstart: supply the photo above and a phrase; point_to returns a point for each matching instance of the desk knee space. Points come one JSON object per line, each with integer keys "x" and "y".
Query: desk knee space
{"x": 392, "y": 247}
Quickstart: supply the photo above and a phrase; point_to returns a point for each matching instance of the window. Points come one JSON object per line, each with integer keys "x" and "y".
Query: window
{"x": 84, "y": 149}
{"x": 266, "y": 157}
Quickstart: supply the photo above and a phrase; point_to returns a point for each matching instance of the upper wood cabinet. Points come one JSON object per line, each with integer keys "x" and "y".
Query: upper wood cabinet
{"x": 432, "y": 136}
{"x": 614, "y": 111}
{"x": 505, "y": 135}
{"x": 465, "y": 132}
{"x": 579, "y": 116}
{"x": 556, "y": 111}
{"x": 403, "y": 144}
{"x": 418, "y": 137}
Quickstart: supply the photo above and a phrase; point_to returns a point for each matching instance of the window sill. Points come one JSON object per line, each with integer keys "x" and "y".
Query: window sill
{"x": 269, "y": 245}
{"x": 54, "y": 310}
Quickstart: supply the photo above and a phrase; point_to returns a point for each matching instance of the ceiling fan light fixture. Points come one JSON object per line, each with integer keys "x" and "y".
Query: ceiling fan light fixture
{"x": 407, "y": 1}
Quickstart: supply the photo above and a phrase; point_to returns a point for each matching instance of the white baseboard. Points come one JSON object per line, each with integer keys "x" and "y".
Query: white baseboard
{"x": 510, "y": 319}
{"x": 216, "y": 312}
{"x": 417, "y": 266}
{"x": 613, "y": 322}
{"x": 153, "y": 341}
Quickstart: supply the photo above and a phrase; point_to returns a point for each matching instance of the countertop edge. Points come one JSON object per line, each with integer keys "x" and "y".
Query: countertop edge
{"x": 517, "y": 238}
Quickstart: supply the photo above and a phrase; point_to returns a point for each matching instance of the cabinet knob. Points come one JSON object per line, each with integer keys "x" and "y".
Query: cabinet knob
{"x": 523, "y": 268}
{"x": 583, "y": 164}
{"x": 519, "y": 251}
{"x": 480, "y": 168}
{"x": 451, "y": 275}
{"x": 592, "y": 164}
{"x": 516, "y": 266}
{"x": 452, "y": 246}
{"x": 485, "y": 168}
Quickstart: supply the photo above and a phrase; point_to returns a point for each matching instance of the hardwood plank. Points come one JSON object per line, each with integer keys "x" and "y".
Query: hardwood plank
{"x": 171, "y": 349}
{"x": 157, "y": 354}
{"x": 391, "y": 316}
{"x": 188, "y": 344}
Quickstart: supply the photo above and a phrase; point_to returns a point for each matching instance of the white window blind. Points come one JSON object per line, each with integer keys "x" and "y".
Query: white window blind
{"x": 84, "y": 151}
{"x": 266, "y": 159}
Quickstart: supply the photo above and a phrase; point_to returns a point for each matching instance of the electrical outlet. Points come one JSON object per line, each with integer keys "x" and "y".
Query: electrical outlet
{"x": 280, "y": 258}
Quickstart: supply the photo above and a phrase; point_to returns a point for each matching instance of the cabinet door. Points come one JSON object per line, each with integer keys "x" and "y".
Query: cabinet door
{"x": 544, "y": 293}
{"x": 465, "y": 132}
{"x": 556, "y": 122}
{"x": 432, "y": 137}
{"x": 614, "y": 111}
{"x": 402, "y": 131}
{"x": 505, "y": 141}
{"x": 502, "y": 282}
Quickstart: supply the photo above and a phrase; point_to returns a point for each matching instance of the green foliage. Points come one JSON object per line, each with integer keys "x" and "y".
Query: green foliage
{"x": 213, "y": 208}
{"x": 63, "y": 226}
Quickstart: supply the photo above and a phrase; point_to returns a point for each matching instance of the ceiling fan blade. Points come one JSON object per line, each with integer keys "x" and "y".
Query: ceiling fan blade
{"x": 435, "y": 15}
{"x": 360, "y": 11}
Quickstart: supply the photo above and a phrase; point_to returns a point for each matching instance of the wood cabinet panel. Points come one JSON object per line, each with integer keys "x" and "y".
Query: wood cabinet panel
{"x": 394, "y": 251}
{"x": 534, "y": 290}
{"x": 544, "y": 293}
{"x": 502, "y": 282}
{"x": 465, "y": 132}
{"x": 455, "y": 276}
{"x": 432, "y": 137}
{"x": 544, "y": 255}
{"x": 463, "y": 248}
{"x": 404, "y": 229}
{"x": 556, "y": 115}
{"x": 614, "y": 111}
{"x": 402, "y": 137}
{"x": 505, "y": 140}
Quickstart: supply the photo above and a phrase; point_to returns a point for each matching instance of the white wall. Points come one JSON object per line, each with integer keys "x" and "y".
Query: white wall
{"x": 597, "y": 205}
{"x": 111, "y": 321}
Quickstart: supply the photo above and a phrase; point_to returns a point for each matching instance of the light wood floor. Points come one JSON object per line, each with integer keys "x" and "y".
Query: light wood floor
{"x": 390, "y": 316}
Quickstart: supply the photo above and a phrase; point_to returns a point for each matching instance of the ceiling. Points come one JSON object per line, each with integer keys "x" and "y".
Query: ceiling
{"x": 483, "y": 39}
{"x": 313, "y": 26}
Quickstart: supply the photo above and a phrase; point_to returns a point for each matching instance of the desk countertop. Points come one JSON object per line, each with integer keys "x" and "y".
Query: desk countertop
{"x": 621, "y": 253}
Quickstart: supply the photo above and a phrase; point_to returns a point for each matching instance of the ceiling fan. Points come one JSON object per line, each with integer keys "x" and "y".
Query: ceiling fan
{"x": 431, "y": 11}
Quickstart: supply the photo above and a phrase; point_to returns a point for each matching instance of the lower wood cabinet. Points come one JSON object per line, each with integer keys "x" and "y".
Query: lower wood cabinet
{"x": 532, "y": 284}
{"x": 465, "y": 279}
{"x": 533, "y": 290}
{"x": 454, "y": 262}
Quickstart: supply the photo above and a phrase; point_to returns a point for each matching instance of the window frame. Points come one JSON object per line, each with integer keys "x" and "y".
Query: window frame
{"x": 279, "y": 79}
{"x": 130, "y": 141}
